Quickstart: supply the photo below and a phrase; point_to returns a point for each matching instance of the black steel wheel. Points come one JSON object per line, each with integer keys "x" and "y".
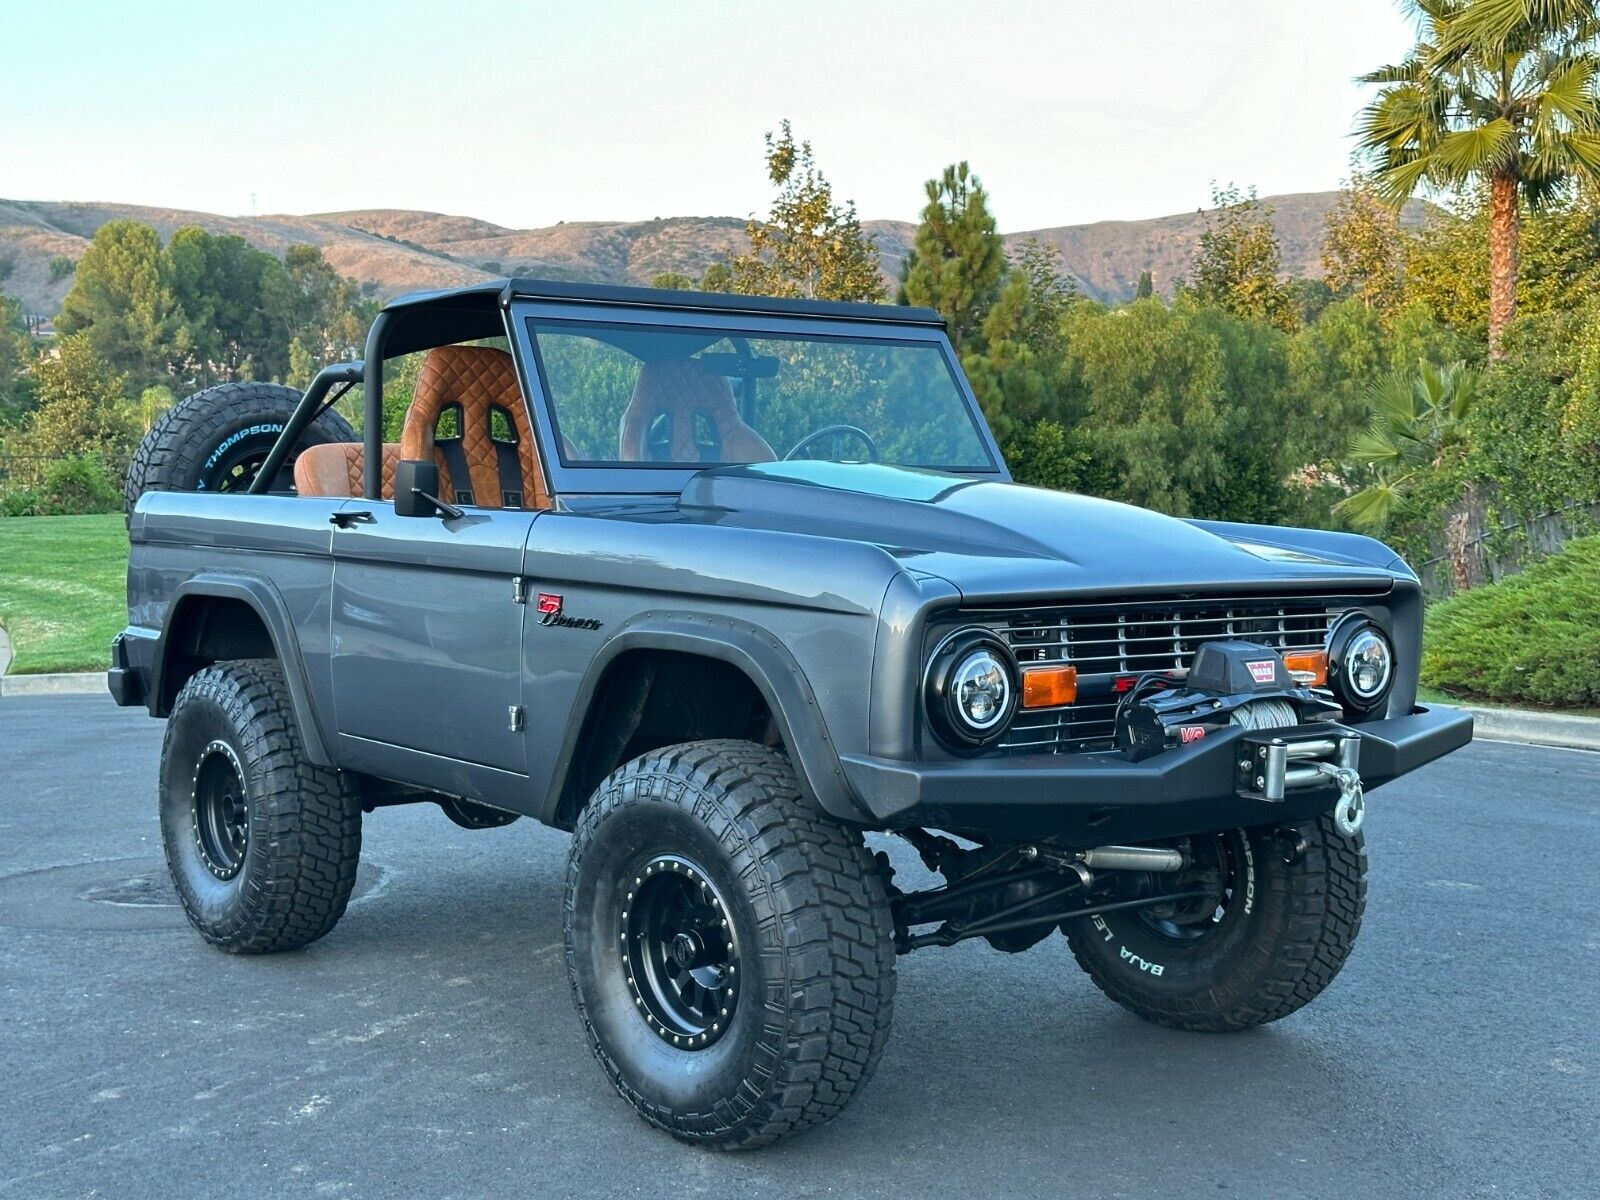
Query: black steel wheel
{"x": 1278, "y": 916}
{"x": 679, "y": 952}
{"x": 262, "y": 843}
{"x": 219, "y": 810}
{"x": 730, "y": 949}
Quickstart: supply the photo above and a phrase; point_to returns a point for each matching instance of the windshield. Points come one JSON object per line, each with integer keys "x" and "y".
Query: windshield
{"x": 682, "y": 397}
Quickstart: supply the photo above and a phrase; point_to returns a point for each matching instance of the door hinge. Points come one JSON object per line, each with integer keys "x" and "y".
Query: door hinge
{"x": 519, "y": 589}
{"x": 514, "y": 718}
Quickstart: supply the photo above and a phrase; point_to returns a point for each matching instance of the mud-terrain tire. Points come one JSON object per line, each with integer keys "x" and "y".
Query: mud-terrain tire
{"x": 275, "y": 874}
{"x": 799, "y": 1023}
{"x": 1285, "y": 930}
{"x": 214, "y": 440}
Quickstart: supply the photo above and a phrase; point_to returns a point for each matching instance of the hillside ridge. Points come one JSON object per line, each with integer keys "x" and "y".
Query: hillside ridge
{"x": 389, "y": 251}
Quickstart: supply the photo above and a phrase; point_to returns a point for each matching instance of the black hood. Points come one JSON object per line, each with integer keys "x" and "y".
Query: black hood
{"x": 999, "y": 539}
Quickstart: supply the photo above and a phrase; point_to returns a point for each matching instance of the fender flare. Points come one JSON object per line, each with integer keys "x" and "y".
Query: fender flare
{"x": 264, "y": 599}
{"x": 769, "y": 666}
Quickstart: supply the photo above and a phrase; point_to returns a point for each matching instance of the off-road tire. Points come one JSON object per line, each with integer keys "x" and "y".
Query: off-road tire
{"x": 1278, "y": 953}
{"x": 200, "y": 442}
{"x": 808, "y": 908}
{"x": 302, "y": 821}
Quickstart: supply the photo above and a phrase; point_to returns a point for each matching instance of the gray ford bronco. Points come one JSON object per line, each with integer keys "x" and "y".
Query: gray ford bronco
{"x": 719, "y": 584}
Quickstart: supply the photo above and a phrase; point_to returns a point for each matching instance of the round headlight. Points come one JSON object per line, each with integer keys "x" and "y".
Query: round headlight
{"x": 972, "y": 689}
{"x": 981, "y": 690}
{"x": 1364, "y": 666}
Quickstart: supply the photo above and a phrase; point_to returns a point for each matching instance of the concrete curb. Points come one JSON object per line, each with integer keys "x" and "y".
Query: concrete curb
{"x": 1535, "y": 728}
{"x": 78, "y": 683}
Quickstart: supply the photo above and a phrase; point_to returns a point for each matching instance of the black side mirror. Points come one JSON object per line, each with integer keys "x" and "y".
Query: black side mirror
{"x": 416, "y": 491}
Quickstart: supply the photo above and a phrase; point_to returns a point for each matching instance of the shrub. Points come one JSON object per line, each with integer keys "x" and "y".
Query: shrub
{"x": 75, "y": 486}
{"x": 1534, "y": 636}
{"x": 21, "y": 502}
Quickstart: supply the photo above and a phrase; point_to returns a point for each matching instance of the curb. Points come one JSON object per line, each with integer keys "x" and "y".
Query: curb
{"x": 78, "y": 683}
{"x": 1534, "y": 728}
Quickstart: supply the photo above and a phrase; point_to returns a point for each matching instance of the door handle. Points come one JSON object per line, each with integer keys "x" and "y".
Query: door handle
{"x": 346, "y": 519}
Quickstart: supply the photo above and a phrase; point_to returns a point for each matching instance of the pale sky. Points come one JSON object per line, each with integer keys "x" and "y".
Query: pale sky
{"x": 526, "y": 113}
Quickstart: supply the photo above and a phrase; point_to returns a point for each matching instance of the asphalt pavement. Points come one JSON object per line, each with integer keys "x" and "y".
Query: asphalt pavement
{"x": 428, "y": 1046}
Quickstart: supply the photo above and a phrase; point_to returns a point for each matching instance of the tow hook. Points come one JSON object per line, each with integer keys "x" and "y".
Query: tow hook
{"x": 1350, "y": 809}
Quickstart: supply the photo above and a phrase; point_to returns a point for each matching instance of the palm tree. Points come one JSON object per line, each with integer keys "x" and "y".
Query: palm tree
{"x": 1495, "y": 92}
{"x": 1417, "y": 420}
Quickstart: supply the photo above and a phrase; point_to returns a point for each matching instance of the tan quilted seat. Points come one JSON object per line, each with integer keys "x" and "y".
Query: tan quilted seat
{"x": 337, "y": 469}
{"x": 478, "y": 380}
{"x": 683, "y": 390}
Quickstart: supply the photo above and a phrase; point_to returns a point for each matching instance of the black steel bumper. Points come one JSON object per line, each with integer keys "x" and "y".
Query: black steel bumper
{"x": 1101, "y": 798}
{"x": 131, "y": 659}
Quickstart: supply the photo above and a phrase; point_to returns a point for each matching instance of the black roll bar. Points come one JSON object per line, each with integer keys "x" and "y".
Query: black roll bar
{"x": 372, "y": 409}
{"x": 304, "y": 413}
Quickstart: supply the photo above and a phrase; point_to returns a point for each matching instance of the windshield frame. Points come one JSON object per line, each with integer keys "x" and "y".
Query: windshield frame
{"x": 580, "y": 478}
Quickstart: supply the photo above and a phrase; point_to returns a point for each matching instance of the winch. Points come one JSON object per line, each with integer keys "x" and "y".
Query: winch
{"x": 1294, "y": 744}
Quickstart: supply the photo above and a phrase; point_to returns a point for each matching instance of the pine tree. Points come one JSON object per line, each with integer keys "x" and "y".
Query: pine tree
{"x": 808, "y": 246}
{"x": 1146, "y": 288}
{"x": 958, "y": 258}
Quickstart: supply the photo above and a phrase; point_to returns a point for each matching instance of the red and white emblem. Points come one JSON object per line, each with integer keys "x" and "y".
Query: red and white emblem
{"x": 1263, "y": 672}
{"x": 549, "y": 603}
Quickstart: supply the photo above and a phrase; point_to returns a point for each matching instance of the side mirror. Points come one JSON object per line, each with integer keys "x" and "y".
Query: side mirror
{"x": 416, "y": 491}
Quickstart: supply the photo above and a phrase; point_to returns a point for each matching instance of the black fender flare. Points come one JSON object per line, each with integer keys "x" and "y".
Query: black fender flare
{"x": 264, "y": 599}
{"x": 769, "y": 666}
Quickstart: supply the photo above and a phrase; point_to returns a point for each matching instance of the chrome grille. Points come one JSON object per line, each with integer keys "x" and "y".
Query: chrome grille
{"x": 1107, "y": 640}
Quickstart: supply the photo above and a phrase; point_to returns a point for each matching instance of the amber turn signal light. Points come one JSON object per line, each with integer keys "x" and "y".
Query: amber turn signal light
{"x": 1308, "y": 666}
{"x": 1046, "y": 687}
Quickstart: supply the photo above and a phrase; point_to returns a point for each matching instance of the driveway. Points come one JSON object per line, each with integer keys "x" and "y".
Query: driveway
{"x": 428, "y": 1046}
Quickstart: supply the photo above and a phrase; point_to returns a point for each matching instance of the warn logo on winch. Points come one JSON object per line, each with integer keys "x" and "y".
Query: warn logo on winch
{"x": 1264, "y": 671}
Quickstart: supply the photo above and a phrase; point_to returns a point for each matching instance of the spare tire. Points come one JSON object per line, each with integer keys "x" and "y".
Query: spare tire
{"x": 217, "y": 439}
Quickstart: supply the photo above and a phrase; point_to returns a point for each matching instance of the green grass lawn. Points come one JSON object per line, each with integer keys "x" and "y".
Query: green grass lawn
{"x": 62, "y": 582}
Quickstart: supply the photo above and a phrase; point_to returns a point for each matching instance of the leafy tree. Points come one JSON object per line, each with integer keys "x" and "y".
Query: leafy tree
{"x": 1238, "y": 267}
{"x": 122, "y": 300}
{"x": 1363, "y": 251}
{"x": 672, "y": 280}
{"x": 61, "y": 266}
{"x": 1417, "y": 418}
{"x": 220, "y": 286}
{"x": 957, "y": 258}
{"x": 718, "y": 277}
{"x": 1499, "y": 94}
{"x": 808, "y": 246}
{"x": 16, "y": 381}
{"x": 316, "y": 306}
{"x": 82, "y": 409}
{"x": 1146, "y": 287}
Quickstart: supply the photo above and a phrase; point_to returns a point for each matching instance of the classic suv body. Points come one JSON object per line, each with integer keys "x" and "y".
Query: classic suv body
{"x": 482, "y": 657}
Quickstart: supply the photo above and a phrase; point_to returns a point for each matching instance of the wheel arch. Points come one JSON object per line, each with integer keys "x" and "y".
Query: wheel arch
{"x": 214, "y": 617}
{"x": 730, "y": 652}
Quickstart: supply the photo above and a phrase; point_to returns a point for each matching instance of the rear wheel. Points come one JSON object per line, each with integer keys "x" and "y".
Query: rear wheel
{"x": 1277, "y": 918}
{"x": 262, "y": 844}
{"x": 731, "y": 950}
{"x": 216, "y": 441}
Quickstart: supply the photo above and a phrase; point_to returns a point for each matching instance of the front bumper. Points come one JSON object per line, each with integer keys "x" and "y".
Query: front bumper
{"x": 1099, "y": 798}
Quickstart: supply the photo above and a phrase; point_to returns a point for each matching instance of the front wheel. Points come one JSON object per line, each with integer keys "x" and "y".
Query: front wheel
{"x": 1276, "y": 916}
{"x": 730, "y": 949}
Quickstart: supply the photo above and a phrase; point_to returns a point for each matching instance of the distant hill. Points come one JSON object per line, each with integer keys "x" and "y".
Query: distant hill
{"x": 389, "y": 251}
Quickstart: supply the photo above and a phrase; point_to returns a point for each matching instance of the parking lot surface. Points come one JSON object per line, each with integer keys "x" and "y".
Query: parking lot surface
{"x": 429, "y": 1047}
